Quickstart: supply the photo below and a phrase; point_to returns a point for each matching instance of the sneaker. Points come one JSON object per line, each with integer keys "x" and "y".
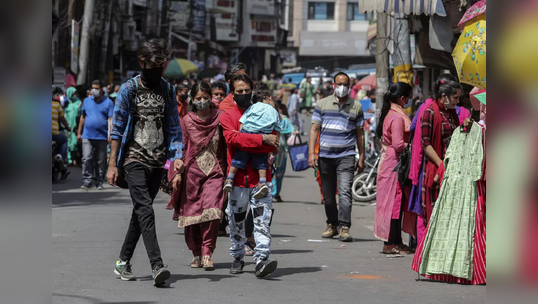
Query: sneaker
{"x": 237, "y": 266}
{"x": 160, "y": 275}
{"x": 260, "y": 191}
{"x": 344, "y": 235}
{"x": 100, "y": 188}
{"x": 65, "y": 174}
{"x": 123, "y": 269}
{"x": 84, "y": 187}
{"x": 330, "y": 232}
{"x": 265, "y": 267}
{"x": 228, "y": 185}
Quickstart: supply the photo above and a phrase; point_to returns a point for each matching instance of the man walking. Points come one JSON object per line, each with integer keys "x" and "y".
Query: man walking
{"x": 294, "y": 109}
{"x": 95, "y": 124}
{"x": 146, "y": 132}
{"x": 340, "y": 120}
{"x": 308, "y": 92}
{"x": 245, "y": 181}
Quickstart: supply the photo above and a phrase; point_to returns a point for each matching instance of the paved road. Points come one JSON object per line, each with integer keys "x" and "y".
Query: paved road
{"x": 88, "y": 230}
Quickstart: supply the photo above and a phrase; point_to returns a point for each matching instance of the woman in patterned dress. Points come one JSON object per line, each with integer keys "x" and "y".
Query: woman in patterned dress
{"x": 204, "y": 155}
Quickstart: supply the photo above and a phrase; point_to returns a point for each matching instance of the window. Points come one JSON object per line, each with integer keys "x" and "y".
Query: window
{"x": 321, "y": 11}
{"x": 353, "y": 12}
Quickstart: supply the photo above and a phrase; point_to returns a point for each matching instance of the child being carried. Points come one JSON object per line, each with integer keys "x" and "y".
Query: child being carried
{"x": 261, "y": 118}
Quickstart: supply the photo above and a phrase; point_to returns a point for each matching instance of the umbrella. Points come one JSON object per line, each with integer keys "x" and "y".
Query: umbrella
{"x": 179, "y": 68}
{"x": 367, "y": 83}
{"x": 474, "y": 11}
{"x": 470, "y": 54}
{"x": 478, "y": 96}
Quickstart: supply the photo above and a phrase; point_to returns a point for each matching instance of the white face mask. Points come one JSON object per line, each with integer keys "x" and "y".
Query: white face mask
{"x": 408, "y": 104}
{"x": 341, "y": 91}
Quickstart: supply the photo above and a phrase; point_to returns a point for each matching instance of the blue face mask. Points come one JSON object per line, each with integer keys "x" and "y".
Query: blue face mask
{"x": 408, "y": 104}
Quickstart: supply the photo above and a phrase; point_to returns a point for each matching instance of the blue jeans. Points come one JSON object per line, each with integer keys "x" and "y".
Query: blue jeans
{"x": 241, "y": 158}
{"x": 61, "y": 140}
{"x": 239, "y": 203}
{"x": 337, "y": 173}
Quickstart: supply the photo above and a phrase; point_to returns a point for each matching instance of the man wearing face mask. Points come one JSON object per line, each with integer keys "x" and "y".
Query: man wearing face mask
{"x": 93, "y": 130}
{"x": 245, "y": 182}
{"x": 233, "y": 69}
{"x": 339, "y": 120}
{"x": 146, "y": 133}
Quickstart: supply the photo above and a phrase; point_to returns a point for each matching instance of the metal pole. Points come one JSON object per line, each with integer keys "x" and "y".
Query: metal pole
{"x": 189, "y": 49}
{"x": 403, "y": 66}
{"x": 382, "y": 61}
{"x": 104, "y": 48}
{"x": 85, "y": 41}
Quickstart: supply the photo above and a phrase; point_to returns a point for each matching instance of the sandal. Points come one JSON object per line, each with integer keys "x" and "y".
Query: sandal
{"x": 249, "y": 248}
{"x": 208, "y": 263}
{"x": 196, "y": 262}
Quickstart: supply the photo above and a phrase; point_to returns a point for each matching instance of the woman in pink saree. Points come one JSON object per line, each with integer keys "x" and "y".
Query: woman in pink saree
{"x": 202, "y": 198}
{"x": 393, "y": 129}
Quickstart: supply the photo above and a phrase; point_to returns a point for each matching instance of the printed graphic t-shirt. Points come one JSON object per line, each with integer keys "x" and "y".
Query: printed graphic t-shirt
{"x": 147, "y": 145}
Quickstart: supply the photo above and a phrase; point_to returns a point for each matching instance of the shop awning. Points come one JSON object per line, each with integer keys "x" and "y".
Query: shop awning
{"x": 408, "y": 7}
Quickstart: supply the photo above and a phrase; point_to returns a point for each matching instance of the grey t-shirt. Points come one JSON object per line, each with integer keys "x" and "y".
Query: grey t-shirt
{"x": 147, "y": 145}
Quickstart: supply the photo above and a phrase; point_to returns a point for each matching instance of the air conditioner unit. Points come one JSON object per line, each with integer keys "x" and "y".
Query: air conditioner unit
{"x": 129, "y": 29}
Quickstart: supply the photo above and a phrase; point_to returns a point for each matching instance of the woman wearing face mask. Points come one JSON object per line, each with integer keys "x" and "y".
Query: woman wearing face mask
{"x": 182, "y": 99}
{"x": 205, "y": 163}
{"x": 437, "y": 124}
{"x": 393, "y": 129}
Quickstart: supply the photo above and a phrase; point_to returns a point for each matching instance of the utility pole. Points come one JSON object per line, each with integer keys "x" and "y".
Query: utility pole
{"x": 381, "y": 60}
{"x": 403, "y": 65}
{"x": 85, "y": 41}
{"x": 104, "y": 47}
{"x": 190, "y": 26}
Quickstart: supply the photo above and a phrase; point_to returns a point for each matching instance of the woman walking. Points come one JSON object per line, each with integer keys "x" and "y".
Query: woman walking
{"x": 393, "y": 129}
{"x": 281, "y": 159}
{"x": 205, "y": 162}
{"x": 72, "y": 115}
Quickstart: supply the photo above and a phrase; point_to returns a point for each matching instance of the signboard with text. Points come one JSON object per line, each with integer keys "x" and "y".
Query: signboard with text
{"x": 226, "y": 21}
{"x": 263, "y": 32}
{"x": 261, "y": 7}
{"x": 334, "y": 44}
{"x": 75, "y": 37}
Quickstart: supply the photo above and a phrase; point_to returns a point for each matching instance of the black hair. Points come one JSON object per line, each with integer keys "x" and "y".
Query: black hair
{"x": 293, "y": 91}
{"x": 200, "y": 86}
{"x": 446, "y": 84}
{"x": 283, "y": 108}
{"x": 240, "y": 77}
{"x": 340, "y": 74}
{"x": 180, "y": 87}
{"x": 57, "y": 91}
{"x": 261, "y": 91}
{"x": 98, "y": 82}
{"x": 232, "y": 69}
{"x": 290, "y": 80}
{"x": 219, "y": 85}
{"x": 154, "y": 51}
{"x": 395, "y": 92}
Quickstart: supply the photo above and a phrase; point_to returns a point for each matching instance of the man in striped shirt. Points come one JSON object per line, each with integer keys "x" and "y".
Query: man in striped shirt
{"x": 60, "y": 139}
{"x": 340, "y": 120}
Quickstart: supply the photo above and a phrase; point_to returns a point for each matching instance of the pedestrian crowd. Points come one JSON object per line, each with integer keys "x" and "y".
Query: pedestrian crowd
{"x": 220, "y": 150}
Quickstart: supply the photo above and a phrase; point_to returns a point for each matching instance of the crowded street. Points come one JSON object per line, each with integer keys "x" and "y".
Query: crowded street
{"x": 88, "y": 226}
{"x": 269, "y": 151}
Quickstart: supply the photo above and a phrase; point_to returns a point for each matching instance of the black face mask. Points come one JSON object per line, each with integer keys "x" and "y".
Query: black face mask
{"x": 184, "y": 97}
{"x": 151, "y": 78}
{"x": 244, "y": 101}
{"x": 373, "y": 100}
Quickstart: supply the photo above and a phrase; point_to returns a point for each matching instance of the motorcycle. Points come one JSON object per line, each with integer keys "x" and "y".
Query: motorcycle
{"x": 58, "y": 166}
{"x": 364, "y": 187}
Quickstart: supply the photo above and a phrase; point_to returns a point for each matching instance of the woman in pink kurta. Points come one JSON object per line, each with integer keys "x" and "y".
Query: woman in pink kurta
{"x": 393, "y": 128}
